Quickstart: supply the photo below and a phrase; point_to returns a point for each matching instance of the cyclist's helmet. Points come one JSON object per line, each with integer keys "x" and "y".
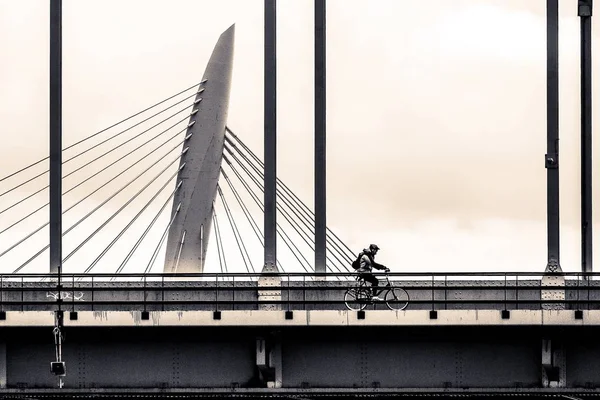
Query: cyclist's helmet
{"x": 373, "y": 247}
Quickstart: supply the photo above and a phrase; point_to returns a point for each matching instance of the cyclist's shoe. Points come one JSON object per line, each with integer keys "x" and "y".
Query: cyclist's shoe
{"x": 376, "y": 298}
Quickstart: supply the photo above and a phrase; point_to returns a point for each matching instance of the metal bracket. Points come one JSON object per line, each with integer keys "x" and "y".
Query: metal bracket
{"x": 270, "y": 279}
{"x": 551, "y": 161}
{"x": 553, "y": 277}
{"x": 584, "y": 8}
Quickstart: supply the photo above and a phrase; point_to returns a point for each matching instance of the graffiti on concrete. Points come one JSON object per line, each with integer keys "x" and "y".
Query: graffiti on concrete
{"x": 77, "y": 296}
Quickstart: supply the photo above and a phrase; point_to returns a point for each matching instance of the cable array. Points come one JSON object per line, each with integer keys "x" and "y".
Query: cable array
{"x": 151, "y": 157}
{"x": 292, "y": 209}
{"x": 244, "y": 180}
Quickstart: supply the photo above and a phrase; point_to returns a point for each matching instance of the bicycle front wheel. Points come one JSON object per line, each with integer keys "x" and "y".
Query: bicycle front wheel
{"x": 356, "y": 299}
{"x": 396, "y": 299}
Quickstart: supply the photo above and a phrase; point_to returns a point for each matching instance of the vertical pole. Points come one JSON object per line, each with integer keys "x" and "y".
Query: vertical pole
{"x": 56, "y": 164}
{"x": 552, "y": 137}
{"x": 320, "y": 139}
{"x": 55, "y": 136}
{"x": 270, "y": 124}
{"x": 584, "y": 10}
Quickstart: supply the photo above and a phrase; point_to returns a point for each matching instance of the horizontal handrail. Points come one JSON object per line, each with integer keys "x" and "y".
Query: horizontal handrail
{"x": 296, "y": 274}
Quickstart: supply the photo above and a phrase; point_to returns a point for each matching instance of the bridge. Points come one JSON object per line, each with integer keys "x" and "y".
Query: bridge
{"x": 141, "y": 315}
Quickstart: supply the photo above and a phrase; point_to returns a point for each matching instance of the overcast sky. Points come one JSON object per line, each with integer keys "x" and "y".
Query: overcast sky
{"x": 436, "y": 126}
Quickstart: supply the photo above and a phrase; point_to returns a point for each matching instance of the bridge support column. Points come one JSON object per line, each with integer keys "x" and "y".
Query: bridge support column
{"x": 3, "y": 368}
{"x": 584, "y": 11}
{"x": 270, "y": 139}
{"x": 553, "y": 364}
{"x": 552, "y": 133}
{"x": 268, "y": 359}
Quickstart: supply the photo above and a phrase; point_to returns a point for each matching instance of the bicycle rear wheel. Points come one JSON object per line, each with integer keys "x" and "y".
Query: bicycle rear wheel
{"x": 396, "y": 299}
{"x": 356, "y": 299}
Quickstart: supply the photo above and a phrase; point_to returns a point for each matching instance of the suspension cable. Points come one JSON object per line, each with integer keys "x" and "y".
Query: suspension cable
{"x": 299, "y": 230}
{"x": 105, "y": 223}
{"x": 294, "y": 211}
{"x": 96, "y": 174}
{"x": 162, "y": 239}
{"x": 304, "y": 216}
{"x": 284, "y": 212}
{"x": 297, "y": 200}
{"x": 100, "y": 156}
{"x": 219, "y": 241}
{"x": 128, "y": 129}
{"x": 97, "y": 189}
{"x": 158, "y": 192}
{"x": 249, "y": 217}
{"x": 308, "y": 222}
{"x": 118, "y": 212}
{"x": 284, "y": 236}
{"x": 236, "y": 232}
{"x": 101, "y": 131}
{"x": 282, "y": 233}
{"x": 150, "y": 225}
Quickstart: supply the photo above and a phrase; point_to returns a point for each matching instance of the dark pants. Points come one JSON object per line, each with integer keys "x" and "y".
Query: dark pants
{"x": 369, "y": 277}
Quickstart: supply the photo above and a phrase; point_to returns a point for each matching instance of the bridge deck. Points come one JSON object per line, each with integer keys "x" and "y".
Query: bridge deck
{"x": 167, "y": 294}
{"x": 333, "y": 318}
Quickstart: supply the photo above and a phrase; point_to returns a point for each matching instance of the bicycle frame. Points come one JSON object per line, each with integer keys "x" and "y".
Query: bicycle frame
{"x": 362, "y": 293}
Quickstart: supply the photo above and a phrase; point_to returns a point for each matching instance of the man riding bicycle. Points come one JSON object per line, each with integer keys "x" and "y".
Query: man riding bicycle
{"x": 367, "y": 263}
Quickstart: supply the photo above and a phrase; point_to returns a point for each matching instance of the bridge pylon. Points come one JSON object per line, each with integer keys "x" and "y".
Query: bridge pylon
{"x": 189, "y": 233}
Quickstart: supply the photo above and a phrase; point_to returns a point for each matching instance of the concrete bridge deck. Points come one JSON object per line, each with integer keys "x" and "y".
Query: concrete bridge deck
{"x": 293, "y": 293}
{"x": 213, "y": 338}
{"x": 311, "y": 318}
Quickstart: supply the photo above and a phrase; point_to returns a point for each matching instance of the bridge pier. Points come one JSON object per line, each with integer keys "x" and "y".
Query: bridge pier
{"x": 268, "y": 359}
{"x": 3, "y": 369}
{"x": 553, "y": 364}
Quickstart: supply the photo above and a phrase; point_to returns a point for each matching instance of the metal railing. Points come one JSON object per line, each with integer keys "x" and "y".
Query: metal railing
{"x": 239, "y": 291}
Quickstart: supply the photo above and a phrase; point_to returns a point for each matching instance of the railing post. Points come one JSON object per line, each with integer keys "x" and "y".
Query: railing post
{"x": 162, "y": 289}
{"x": 92, "y": 292}
{"x": 304, "y": 292}
{"x": 517, "y": 292}
{"x": 22, "y": 295}
{"x": 505, "y": 292}
{"x": 432, "y": 292}
{"x": 445, "y": 292}
{"x": 216, "y": 292}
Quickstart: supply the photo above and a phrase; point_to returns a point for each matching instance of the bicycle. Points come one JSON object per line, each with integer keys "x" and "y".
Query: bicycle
{"x": 357, "y": 298}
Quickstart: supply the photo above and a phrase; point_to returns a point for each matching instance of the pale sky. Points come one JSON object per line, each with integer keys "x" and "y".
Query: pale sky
{"x": 436, "y": 121}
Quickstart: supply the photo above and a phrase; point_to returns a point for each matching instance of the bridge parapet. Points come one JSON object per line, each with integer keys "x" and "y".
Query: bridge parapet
{"x": 286, "y": 292}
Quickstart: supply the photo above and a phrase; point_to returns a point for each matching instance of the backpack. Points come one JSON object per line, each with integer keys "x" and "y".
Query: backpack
{"x": 356, "y": 263}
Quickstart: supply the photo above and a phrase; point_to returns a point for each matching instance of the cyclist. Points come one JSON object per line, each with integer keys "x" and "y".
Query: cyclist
{"x": 367, "y": 263}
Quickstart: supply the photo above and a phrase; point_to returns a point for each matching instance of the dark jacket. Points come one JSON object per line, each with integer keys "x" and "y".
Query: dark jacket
{"x": 367, "y": 262}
